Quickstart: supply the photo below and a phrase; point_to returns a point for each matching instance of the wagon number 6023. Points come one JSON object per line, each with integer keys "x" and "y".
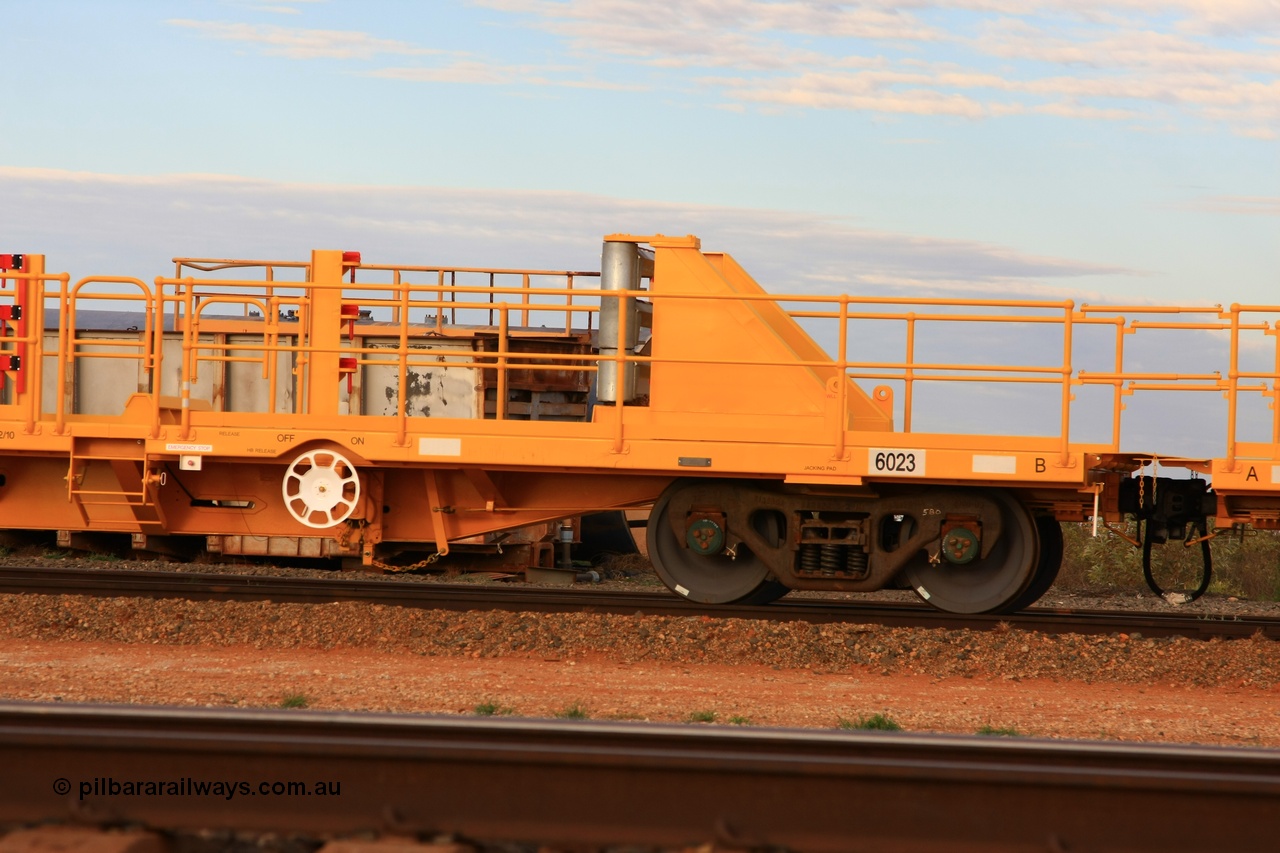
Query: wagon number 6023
{"x": 896, "y": 461}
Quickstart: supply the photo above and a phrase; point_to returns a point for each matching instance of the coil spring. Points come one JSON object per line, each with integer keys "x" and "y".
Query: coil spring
{"x": 810, "y": 558}
{"x": 857, "y": 562}
{"x": 832, "y": 559}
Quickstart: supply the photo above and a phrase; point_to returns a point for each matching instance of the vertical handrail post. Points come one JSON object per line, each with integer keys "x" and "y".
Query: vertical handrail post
{"x": 30, "y": 294}
{"x": 272, "y": 335}
{"x": 500, "y": 404}
{"x": 32, "y": 301}
{"x": 1233, "y": 383}
{"x": 402, "y": 368}
{"x": 620, "y": 363}
{"x": 453, "y": 298}
{"x": 1068, "y": 370}
{"x": 188, "y": 358}
{"x": 271, "y": 355}
{"x": 64, "y": 358}
{"x": 1117, "y": 392}
{"x": 568, "y": 304}
{"x": 842, "y": 378}
{"x": 909, "y": 374}
{"x": 157, "y": 361}
{"x": 440, "y": 302}
{"x": 1274, "y": 331}
{"x": 492, "y": 297}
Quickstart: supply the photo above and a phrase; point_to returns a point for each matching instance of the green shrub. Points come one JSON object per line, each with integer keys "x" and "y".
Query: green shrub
{"x": 493, "y": 709}
{"x": 875, "y": 722}
{"x": 1243, "y": 565}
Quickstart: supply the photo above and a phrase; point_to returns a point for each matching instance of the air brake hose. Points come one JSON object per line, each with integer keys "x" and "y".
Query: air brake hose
{"x": 1205, "y": 576}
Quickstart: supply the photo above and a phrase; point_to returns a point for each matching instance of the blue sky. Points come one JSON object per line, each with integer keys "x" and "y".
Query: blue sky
{"x": 1101, "y": 150}
{"x": 1084, "y": 148}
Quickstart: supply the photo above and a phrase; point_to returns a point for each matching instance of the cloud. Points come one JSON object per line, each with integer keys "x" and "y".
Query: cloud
{"x": 289, "y": 7}
{"x": 713, "y": 33}
{"x": 1160, "y": 65}
{"x": 869, "y": 90}
{"x": 473, "y": 72}
{"x": 1208, "y": 61}
{"x": 89, "y": 222}
{"x": 302, "y": 44}
{"x": 481, "y": 73}
{"x": 1236, "y": 204}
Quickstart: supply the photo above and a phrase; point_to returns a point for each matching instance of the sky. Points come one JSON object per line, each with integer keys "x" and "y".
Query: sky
{"x": 1095, "y": 150}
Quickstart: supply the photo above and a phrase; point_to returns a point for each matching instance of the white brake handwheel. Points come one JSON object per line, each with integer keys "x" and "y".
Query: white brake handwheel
{"x": 321, "y": 488}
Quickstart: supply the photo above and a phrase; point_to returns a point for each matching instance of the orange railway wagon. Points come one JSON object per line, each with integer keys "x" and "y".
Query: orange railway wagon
{"x": 381, "y": 408}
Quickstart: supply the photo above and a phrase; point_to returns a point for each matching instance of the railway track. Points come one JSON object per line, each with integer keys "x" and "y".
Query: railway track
{"x": 221, "y": 587}
{"x": 574, "y": 783}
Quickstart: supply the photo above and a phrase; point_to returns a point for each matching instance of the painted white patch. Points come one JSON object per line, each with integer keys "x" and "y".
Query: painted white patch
{"x": 1275, "y": 473}
{"x": 924, "y": 593}
{"x": 895, "y": 461}
{"x": 189, "y": 448}
{"x": 682, "y": 590}
{"x": 984, "y": 464}
{"x": 439, "y": 447}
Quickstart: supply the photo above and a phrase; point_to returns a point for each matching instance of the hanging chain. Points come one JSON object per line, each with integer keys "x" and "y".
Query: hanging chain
{"x": 409, "y": 568}
{"x": 344, "y": 541}
{"x": 1142, "y": 506}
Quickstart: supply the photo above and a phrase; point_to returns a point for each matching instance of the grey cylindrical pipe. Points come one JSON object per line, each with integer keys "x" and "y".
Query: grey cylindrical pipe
{"x": 619, "y": 270}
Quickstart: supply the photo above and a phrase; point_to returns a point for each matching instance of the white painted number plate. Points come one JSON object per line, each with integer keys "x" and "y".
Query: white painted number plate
{"x": 895, "y": 461}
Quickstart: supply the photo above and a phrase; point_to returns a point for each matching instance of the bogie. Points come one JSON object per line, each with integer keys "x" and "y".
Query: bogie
{"x": 963, "y": 550}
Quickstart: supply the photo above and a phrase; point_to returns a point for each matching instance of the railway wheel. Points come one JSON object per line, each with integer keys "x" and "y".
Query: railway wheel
{"x": 767, "y": 593}
{"x": 986, "y": 584}
{"x": 725, "y": 576}
{"x": 1048, "y": 564}
{"x": 321, "y": 488}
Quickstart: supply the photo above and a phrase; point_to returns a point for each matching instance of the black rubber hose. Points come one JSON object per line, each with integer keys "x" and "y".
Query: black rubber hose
{"x": 1205, "y": 576}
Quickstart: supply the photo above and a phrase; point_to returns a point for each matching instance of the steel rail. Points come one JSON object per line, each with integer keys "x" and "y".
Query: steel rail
{"x": 200, "y": 586}
{"x": 595, "y": 783}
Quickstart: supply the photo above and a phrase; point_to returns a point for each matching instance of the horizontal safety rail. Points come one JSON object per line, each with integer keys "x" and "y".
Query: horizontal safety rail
{"x": 31, "y": 286}
{"x": 194, "y": 304}
{"x": 386, "y": 310}
{"x": 529, "y": 288}
{"x": 218, "y": 264}
{"x": 1232, "y": 321}
{"x": 144, "y": 350}
{"x": 443, "y": 282}
{"x": 282, "y": 310}
{"x": 1234, "y": 317}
